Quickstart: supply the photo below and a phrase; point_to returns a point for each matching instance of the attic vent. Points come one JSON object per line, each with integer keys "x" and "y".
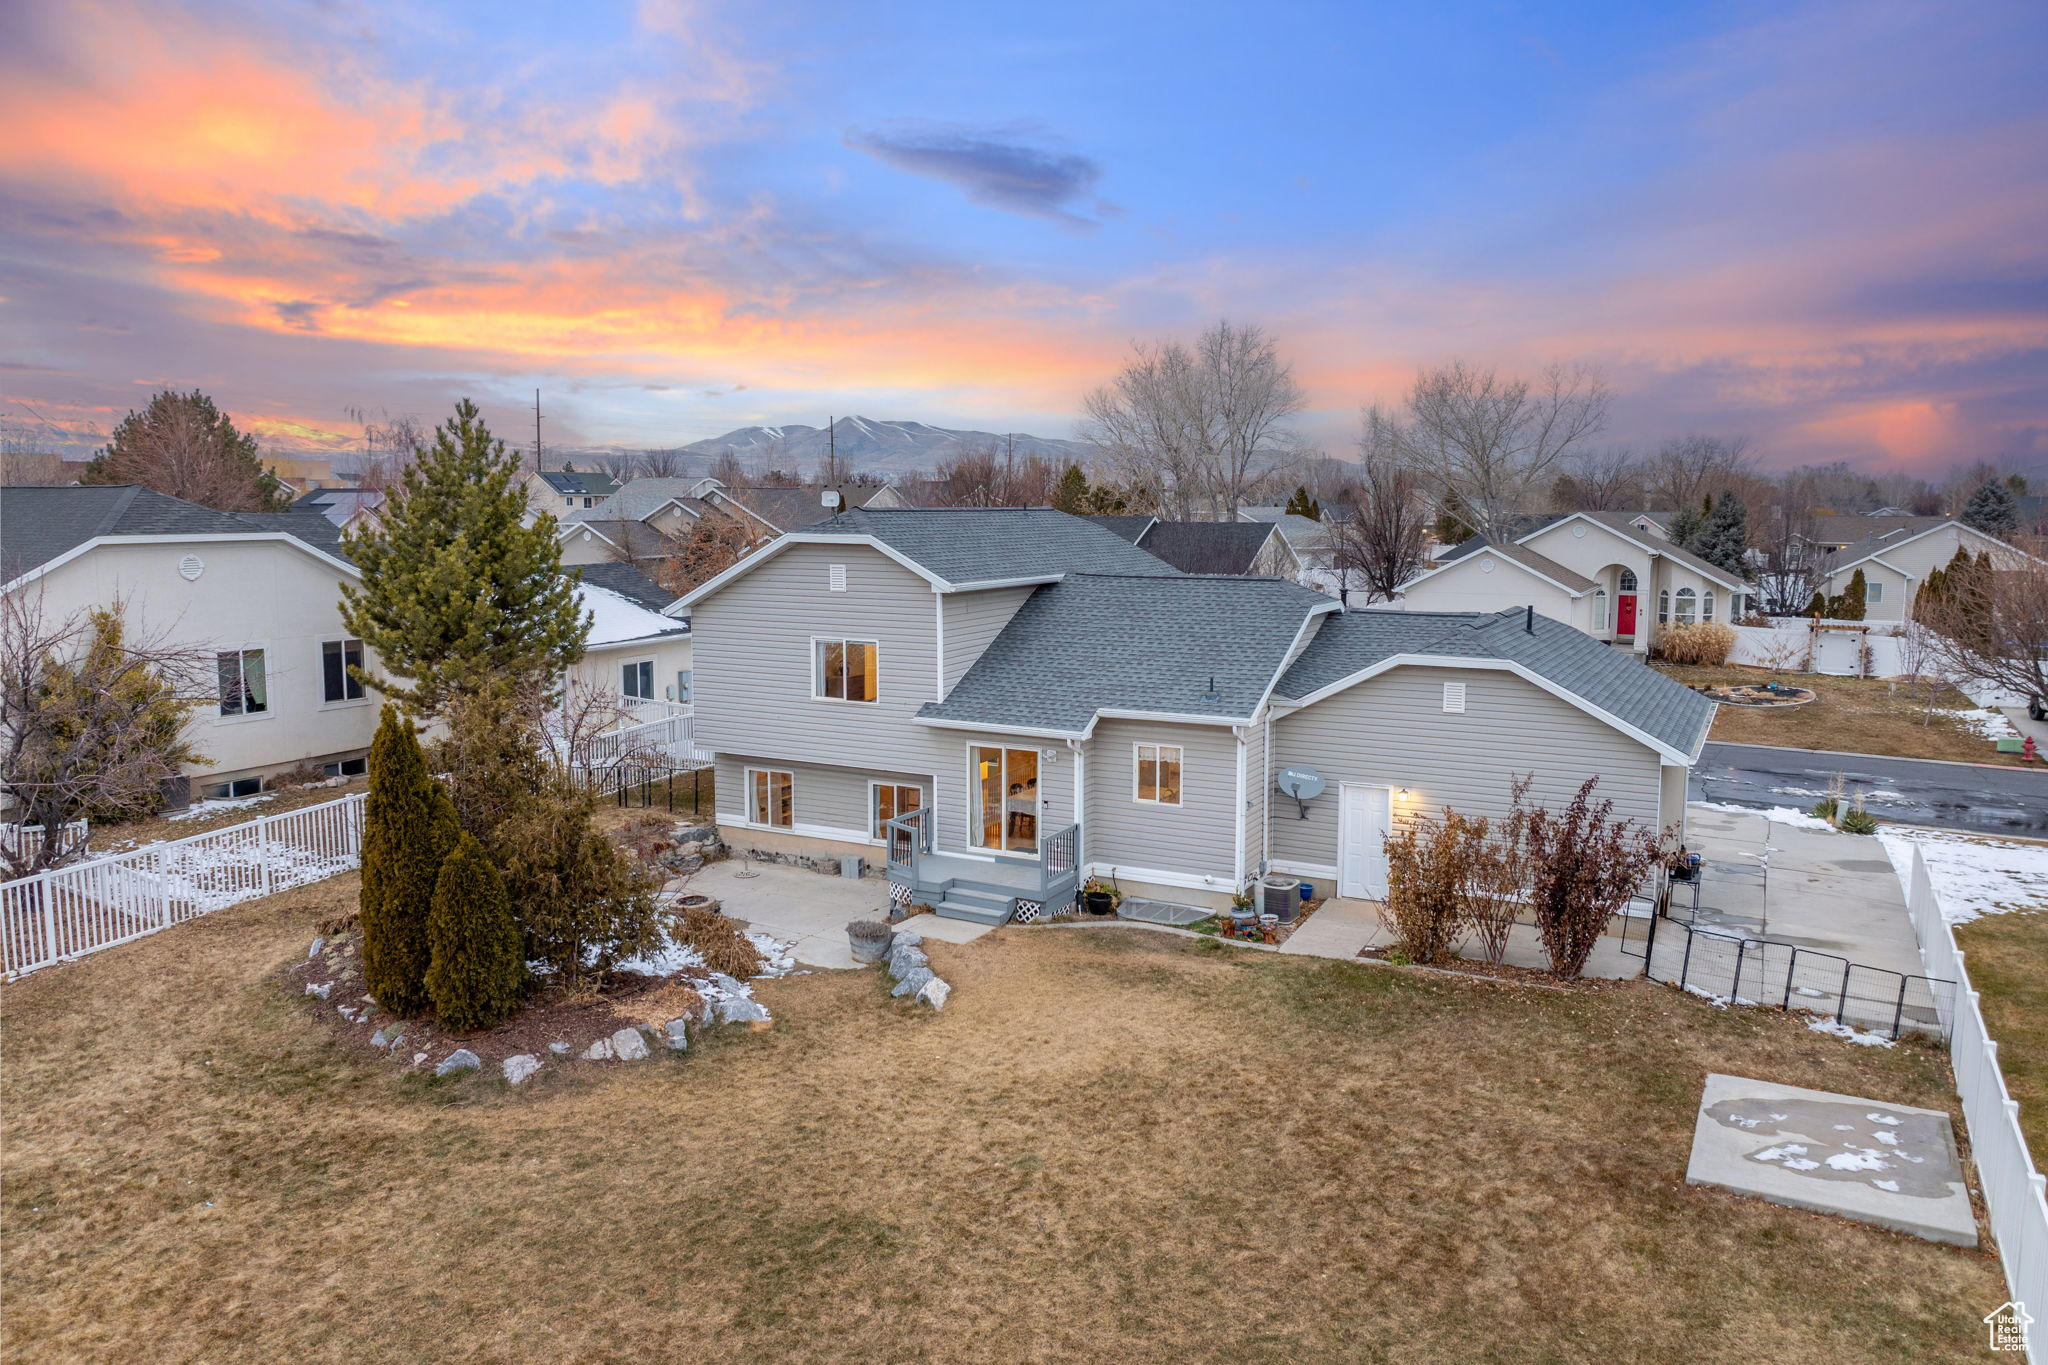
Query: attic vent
{"x": 190, "y": 567}
{"x": 1454, "y": 697}
{"x": 837, "y": 578}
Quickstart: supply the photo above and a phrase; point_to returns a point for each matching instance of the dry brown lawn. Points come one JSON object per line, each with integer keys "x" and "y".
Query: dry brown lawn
{"x": 1859, "y": 715}
{"x": 2008, "y": 964}
{"x": 1112, "y": 1145}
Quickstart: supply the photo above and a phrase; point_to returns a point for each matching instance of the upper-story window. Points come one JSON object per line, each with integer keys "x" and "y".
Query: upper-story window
{"x": 844, "y": 670}
{"x": 243, "y": 688}
{"x": 1159, "y": 774}
{"x": 337, "y": 680}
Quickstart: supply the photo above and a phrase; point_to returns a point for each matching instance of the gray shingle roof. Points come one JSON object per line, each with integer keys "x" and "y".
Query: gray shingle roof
{"x": 637, "y": 500}
{"x": 1146, "y": 643}
{"x": 580, "y": 481}
{"x": 628, "y": 582}
{"x": 1623, "y": 523}
{"x": 1208, "y": 546}
{"x": 39, "y": 524}
{"x": 1845, "y": 530}
{"x": 991, "y": 544}
{"x": 1608, "y": 678}
{"x": 1131, "y": 528}
{"x": 797, "y": 509}
{"x": 1526, "y": 557}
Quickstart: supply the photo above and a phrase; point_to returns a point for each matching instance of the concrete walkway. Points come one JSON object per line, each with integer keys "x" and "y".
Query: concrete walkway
{"x": 809, "y": 910}
{"x": 1343, "y": 926}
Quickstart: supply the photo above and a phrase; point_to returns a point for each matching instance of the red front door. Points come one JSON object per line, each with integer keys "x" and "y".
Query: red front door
{"x": 1625, "y": 614}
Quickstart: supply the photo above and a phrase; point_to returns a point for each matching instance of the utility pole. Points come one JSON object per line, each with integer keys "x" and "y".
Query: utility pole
{"x": 832, "y": 451}
{"x": 536, "y": 431}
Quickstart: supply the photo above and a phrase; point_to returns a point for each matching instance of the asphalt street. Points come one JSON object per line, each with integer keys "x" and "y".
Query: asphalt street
{"x": 1988, "y": 800}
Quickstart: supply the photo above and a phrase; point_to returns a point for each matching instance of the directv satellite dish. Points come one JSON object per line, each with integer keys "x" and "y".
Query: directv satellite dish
{"x": 829, "y": 498}
{"x": 1303, "y": 784}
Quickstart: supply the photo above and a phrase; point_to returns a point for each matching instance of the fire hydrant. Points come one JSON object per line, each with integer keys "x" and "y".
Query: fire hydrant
{"x": 2028, "y": 751}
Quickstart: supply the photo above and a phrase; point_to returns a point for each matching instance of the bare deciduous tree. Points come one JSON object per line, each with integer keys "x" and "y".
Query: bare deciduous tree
{"x": 981, "y": 474}
{"x": 1487, "y": 441}
{"x": 1690, "y": 469}
{"x": 1201, "y": 430}
{"x": 91, "y": 721}
{"x": 1379, "y": 535}
{"x": 1607, "y": 480}
{"x": 1992, "y": 627}
{"x": 715, "y": 543}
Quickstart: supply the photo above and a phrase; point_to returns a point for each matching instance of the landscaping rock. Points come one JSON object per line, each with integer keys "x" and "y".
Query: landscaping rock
{"x": 629, "y": 1045}
{"x": 559, "y": 1049}
{"x": 462, "y": 1059}
{"x": 418, "y": 1057}
{"x": 678, "y": 1034}
{"x": 384, "y": 1037}
{"x": 599, "y": 1051}
{"x": 741, "y": 1011}
{"x": 314, "y": 951}
{"x": 696, "y": 834}
{"x": 913, "y": 980}
{"x": 320, "y": 990}
{"x": 520, "y": 1067}
{"x": 906, "y": 938}
{"x": 907, "y": 959}
{"x": 934, "y": 993}
{"x": 727, "y": 984}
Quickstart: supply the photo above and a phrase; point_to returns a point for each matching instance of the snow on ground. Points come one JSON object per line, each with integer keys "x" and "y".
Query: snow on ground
{"x": 217, "y": 805}
{"x": 1973, "y": 874}
{"x": 1988, "y": 723}
{"x": 1783, "y": 815}
{"x": 1848, "y": 1031}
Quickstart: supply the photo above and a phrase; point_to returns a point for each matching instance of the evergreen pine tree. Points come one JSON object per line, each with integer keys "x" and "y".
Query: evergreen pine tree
{"x": 1852, "y": 603}
{"x": 1723, "y": 537}
{"x": 456, "y": 593}
{"x": 476, "y": 974}
{"x": 408, "y": 828}
{"x": 1818, "y": 605}
{"x": 1071, "y": 495}
{"x": 1687, "y": 524}
{"x": 1992, "y": 509}
{"x": 107, "y": 715}
{"x": 1453, "y": 523}
{"x": 1301, "y": 504}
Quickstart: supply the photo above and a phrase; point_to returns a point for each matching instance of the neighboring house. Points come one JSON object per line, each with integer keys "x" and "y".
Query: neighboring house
{"x": 1896, "y": 562}
{"x": 594, "y": 541}
{"x": 997, "y": 702}
{"x": 634, "y": 657}
{"x": 258, "y": 592}
{"x": 1310, "y": 539}
{"x": 1640, "y": 581}
{"x": 344, "y": 507}
{"x": 561, "y": 491}
{"x": 1232, "y": 547}
{"x": 304, "y": 473}
{"x": 782, "y": 510}
{"x": 1833, "y": 534}
{"x": 668, "y": 505}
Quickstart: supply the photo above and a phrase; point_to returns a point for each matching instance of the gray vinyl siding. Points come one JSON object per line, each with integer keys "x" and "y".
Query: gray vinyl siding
{"x": 1674, "y": 800}
{"x": 1195, "y": 838}
{"x": 973, "y": 620}
{"x": 1256, "y": 785}
{"x": 1392, "y": 731}
{"x": 823, "y": 796}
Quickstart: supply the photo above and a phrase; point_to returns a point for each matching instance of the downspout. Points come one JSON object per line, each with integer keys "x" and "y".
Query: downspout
{"x": 1080, "y": 824}
{"x": 1237, "y": 826}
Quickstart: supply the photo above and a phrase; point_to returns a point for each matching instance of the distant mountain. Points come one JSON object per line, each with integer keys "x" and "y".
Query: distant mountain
{"x": 863, "y": 443}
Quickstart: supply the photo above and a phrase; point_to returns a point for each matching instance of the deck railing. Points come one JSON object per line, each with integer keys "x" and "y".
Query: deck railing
{"x": 1059, "y": 868}
{"x": 906, "y": 839}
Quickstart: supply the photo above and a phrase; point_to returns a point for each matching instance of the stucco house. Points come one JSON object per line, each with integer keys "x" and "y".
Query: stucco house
{"x": 260, "y": 592}
{"x": 997, "y": 703}
{"x": 633, "y": 654}
{"x": 1605, "y": 573}
{"x": 564, "y": 490}
{"x": 1896, "y": 560}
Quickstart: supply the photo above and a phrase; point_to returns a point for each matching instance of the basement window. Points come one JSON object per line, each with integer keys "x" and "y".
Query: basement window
{"x": 1454, "y": 697}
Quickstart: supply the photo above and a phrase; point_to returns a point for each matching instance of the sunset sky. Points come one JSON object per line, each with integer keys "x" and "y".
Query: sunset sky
{"x": 1824, "y": 226}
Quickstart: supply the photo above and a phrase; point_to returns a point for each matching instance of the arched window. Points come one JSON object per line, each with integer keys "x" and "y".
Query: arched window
{"x": 1688, "y": 606}
{"x": 1664, "y": 607}
{"x": 1628, "y": 580}
{"x": 1599, "y": 608}
{"x": 1707, "y": 606}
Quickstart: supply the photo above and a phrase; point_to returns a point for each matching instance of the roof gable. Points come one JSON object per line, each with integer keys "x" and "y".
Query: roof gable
{"x": 43, "y": 526}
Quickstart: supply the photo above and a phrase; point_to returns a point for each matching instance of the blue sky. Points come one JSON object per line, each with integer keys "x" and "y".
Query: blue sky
{"x": 1817, "y": 225}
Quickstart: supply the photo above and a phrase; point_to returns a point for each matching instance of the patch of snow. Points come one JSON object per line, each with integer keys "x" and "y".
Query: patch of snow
{"x": 1783, "y": 815}
{"x": 1887, "y": 1137}
{"x": 1885, "y": 1119}
{"x": 1973, "y": 874}
{"x": 1890, "y": 1185}
{"x": 1988, "y": 723}
{"x": 1720, "y": 1002}
{"x": 219, "y": 804}
{"x": 1863, "y": 1159}
{"x": 1849, "y": 1032}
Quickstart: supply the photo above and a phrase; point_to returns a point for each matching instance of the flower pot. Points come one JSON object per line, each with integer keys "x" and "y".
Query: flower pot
{"x": 1099, "y": 902}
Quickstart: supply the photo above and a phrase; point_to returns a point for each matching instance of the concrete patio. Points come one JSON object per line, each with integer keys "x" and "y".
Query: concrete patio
{"x": 1343, "y": 926}
{"x": 809, "y": 910}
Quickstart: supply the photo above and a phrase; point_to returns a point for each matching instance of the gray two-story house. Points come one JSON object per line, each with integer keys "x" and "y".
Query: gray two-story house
{"x": 997, "y": 702}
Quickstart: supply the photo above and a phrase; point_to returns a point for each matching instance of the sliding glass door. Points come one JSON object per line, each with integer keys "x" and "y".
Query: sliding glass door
{"x": 1005, "y": 783}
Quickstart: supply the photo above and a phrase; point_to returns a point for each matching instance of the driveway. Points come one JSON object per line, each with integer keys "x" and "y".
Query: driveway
{"x": 809, "y": 910}
{"x": 1913, "y": 791}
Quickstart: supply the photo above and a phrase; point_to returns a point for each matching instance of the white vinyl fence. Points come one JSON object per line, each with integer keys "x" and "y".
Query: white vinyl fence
{"x": 67, "y": 912}
{"x": 27, "y": 840}
{"x": 1786, "y": 644}
{"x": 671, "y": 740}
{"x": 2014, "y": 1192}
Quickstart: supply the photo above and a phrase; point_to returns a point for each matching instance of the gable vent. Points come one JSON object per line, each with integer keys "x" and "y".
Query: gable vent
{"x": 836, "y": 578}
{"x": 1454, "y": 696}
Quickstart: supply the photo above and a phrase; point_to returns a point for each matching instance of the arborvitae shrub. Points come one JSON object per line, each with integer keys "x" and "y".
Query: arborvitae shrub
{"x": 408, "y": 829}
{"x": 476, "y": 975}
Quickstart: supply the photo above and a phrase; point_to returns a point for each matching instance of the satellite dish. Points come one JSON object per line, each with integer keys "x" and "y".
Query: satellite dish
{"x": 1303, "y": 784}
{"x": 829, "y": 498}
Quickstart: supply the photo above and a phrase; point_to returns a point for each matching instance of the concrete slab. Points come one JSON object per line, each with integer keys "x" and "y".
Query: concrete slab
{"x": 1339, "y": 929}
{"x": 1888, "y": 1164}
{"x": 1343, "y": 926}
{"x": 809, "y": 910}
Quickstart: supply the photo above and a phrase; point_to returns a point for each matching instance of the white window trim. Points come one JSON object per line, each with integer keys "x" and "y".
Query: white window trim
{"x": 1873, "y": 589}
{"x": 817, "y": 670}
{"x": 653, "y": 680}
{"x": 747, "y": 778}
{"x": 972, "y": 806}
{"x": 269, "y": 683}
{"x": 1600, "y": 609}
{"x": 874, "y": 783}
{"x": 346, "y": 702}
{"x": 1181, "y": 789}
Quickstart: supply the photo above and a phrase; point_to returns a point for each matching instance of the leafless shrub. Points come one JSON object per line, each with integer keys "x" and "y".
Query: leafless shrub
{"x": 1427, "y": 871}
{"x": 1497, "y": 873}
{"x": 725, "y": 948}
{"x": 1584, "y": 866}
{"x": 1706, "y": 644}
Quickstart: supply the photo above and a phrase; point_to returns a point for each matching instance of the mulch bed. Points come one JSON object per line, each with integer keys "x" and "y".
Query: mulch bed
{"x": 548, "y": 1016}
{"x": 1504, "y": 974}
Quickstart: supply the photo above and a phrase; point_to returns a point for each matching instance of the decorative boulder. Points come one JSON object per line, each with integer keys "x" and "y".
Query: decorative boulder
{"x": 462, "y": 1059}
{"x": 913, "y": 981}
{"x": 384, "y": 1037}
{"x": 314, "y": 951}
{"x": 869, "y": 939}
{"x": 520, "y": 1067}
{"x": 906, "y": 938}
{"x": 559, "y": 1049}
{"x": 599, "y": 1051}
{"x": 727, "y": 984}
{"x": 320, "y": 991}
{"x": 629, "y": 1045}
{"x": 905, "y": 960}
{"x": 678, "y": 1034}
{"x": 934, "y": 993}
{"x": 738, "y": 1010}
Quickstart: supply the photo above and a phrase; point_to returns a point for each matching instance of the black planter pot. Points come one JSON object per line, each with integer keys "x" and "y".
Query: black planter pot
{"x": 1099, "y": 902}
